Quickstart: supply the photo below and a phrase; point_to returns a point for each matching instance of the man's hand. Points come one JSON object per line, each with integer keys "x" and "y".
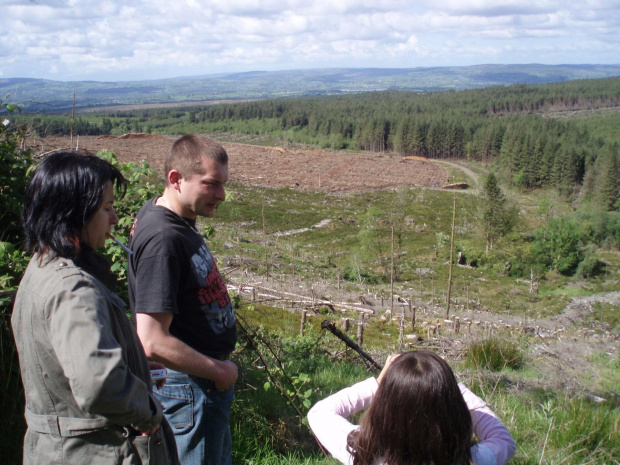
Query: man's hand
{"x": 163, "y": 347}
{"x": 157, "y": 366}
{"x": 227, "y": 375}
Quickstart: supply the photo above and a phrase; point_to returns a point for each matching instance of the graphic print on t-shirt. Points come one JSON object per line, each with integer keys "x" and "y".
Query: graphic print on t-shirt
{"x": 213, "y": 295}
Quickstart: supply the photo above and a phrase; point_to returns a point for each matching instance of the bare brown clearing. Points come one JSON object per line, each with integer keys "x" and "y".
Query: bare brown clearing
{"x": 305, "y": 170}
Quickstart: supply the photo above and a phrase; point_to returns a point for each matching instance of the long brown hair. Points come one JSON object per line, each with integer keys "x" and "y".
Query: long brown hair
{"x": 417, "y": 416}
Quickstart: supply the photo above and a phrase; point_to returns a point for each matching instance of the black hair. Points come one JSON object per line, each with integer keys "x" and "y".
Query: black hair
{"x": 63, "y": 195}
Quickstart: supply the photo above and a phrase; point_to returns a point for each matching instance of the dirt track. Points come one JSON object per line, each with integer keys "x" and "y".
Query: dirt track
{"x": 306, "y": 170}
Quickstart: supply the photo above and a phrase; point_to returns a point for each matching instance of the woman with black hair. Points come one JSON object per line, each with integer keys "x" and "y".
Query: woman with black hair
{"x": 86, "y": 378}
{"x": 416, "y": 414}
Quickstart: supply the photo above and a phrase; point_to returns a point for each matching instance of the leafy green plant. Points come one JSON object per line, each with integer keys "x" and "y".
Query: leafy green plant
{"x": 296, "y": 389}
{"x": 142, "y": 184}
{"x": 15, "y": 167}
{"x": 500, "y": 216}
{"x": 284, "y": 360}
{"x": 590, "y": 265}
{"x": 13, "y": 263}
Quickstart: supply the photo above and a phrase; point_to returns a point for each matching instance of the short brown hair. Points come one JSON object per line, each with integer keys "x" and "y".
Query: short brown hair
{"x": 187, "y": 152}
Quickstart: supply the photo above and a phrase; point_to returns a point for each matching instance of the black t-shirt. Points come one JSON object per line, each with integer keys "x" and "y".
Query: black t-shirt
{"x": 172, "y": 271}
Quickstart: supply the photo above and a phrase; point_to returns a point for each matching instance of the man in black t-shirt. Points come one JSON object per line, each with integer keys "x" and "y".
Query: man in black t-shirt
{"x": 184, "y": 315}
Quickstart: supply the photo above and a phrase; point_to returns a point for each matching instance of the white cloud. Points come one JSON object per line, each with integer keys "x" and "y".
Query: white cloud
{"x": 112, "y": 39}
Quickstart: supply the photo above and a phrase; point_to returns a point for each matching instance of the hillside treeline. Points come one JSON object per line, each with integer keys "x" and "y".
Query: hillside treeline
{"x": 509, "y": 126}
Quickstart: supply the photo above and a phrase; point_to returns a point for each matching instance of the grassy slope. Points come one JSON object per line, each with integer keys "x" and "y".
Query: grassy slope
{"x": 551, "y": 423}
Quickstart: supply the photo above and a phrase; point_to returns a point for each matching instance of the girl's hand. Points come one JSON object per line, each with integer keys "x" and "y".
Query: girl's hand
{"x": 388, "y": 362}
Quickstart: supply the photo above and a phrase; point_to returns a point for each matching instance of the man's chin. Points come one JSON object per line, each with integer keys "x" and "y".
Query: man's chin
{"x": 207, "y": 212}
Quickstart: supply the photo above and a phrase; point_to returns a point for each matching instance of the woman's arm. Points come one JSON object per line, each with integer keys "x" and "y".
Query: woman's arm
{"x": 489, "y": 429}
{"x": 328, "y": 417}
{"x": 80, "y": 329}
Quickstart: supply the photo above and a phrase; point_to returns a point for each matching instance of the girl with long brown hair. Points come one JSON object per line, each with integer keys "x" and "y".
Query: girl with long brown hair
{"x": 416, "y": 413}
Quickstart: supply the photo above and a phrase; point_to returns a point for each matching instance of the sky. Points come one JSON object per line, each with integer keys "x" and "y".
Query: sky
{"x": 120, "y": 40}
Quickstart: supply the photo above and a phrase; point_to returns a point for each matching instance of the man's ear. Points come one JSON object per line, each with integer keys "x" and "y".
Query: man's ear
{"x": 174, "y": 178}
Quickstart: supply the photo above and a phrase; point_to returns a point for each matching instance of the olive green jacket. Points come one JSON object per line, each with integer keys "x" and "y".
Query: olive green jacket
{"x": 85, "y": 375}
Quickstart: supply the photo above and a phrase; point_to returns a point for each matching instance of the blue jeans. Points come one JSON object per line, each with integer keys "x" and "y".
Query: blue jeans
{"x": 199, "y": 416}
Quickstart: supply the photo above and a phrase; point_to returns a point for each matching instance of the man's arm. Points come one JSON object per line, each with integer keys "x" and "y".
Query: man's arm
{"x": 162, "y": 347}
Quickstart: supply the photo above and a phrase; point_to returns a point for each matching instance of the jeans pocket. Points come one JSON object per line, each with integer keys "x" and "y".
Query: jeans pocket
{"x": 178, "y": 403}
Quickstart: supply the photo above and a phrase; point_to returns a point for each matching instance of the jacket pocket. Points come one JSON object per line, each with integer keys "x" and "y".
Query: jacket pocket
{"x": 150, "y": 449}
{"x": 178, "y": 403}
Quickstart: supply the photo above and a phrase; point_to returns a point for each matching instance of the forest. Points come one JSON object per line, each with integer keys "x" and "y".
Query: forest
{"x": 533, "y": 133}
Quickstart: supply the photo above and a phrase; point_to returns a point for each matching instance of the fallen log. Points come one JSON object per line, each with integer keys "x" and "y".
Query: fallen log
{"x": 456, "y": 185}
{"x": 304, "y": 299}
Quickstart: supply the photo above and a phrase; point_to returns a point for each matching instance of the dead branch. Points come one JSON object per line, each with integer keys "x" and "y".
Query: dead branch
{"x": 344, "y": 338}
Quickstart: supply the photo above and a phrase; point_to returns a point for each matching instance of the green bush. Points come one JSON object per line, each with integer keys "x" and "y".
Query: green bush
{"x": 603, "y": 227}
{"x": 494, "y": 354}
{"x": 15, "y": 168}
{"x": 353, "y": 272}
{"x": 559, "y": 244}
{"x": 142, "y": 184}
{"x": 590, "y": 265}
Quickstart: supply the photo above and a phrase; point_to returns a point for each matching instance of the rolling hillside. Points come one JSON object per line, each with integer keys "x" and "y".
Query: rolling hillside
{"x": 57, "y": 96}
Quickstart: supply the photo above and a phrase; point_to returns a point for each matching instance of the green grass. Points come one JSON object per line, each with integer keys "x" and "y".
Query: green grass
{"x": 565, "y": 291}
{"x": 495, "y": 354}
{"x": 457, "y": 175}
{"x": 550, "y": 427}
{"x": 607, "y": 365}
{"x": 559, "y": 429}
{"x": 607, "y": 314}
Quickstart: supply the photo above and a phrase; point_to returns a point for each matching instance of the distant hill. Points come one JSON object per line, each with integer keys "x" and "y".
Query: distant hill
{"x": 56, "y": 96}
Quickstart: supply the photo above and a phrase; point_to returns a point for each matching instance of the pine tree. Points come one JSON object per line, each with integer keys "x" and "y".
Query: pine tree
{"x": 609, "y": 182}
{"x": 499, "y": 217}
